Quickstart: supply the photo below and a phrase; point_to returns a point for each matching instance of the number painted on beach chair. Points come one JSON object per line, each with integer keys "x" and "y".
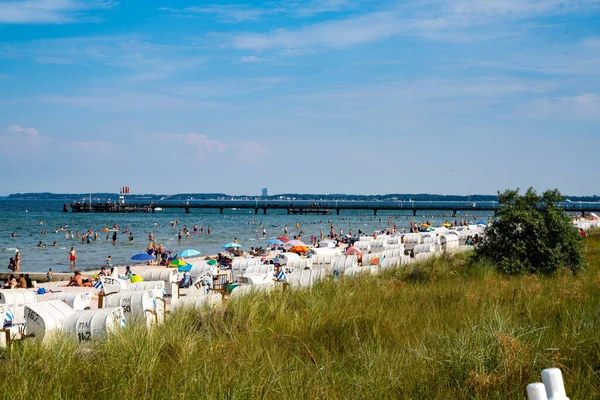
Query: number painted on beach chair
{"x": 84, "y": 336}
{"x": 33, "y": 316}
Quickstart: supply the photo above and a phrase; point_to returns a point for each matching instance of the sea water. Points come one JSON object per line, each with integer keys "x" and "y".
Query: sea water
{"x": 27, "y": 218}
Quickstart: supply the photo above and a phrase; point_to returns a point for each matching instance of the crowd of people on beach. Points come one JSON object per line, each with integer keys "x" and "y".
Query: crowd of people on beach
{"x": 162, "y": 256}
{"x": 22, "y": 281}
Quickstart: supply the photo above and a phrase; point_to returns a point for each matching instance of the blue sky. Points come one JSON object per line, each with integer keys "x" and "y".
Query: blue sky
{"x": 323, "y": 96}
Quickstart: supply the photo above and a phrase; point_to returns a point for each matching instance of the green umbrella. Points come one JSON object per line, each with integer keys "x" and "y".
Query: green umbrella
{"x": 178, "y": 262}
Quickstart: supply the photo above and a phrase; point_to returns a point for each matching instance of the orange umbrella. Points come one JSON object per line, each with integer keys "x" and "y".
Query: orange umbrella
{"x": 299, "y": 249}
{"x": 374, "y": 261}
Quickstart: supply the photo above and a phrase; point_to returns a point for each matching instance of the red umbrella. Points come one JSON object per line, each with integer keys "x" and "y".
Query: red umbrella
{"x": 283, "y": 239}
{"x": 353, "y": 251}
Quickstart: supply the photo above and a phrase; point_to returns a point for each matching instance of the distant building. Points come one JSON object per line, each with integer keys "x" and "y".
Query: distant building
{"x": 265, "y": 192}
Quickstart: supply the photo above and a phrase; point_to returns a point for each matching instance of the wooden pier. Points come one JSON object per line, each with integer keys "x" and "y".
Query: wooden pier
{"x": 318, "y": 211}
{"x": 109, "y": 208}
{"x": 311, "y": 207}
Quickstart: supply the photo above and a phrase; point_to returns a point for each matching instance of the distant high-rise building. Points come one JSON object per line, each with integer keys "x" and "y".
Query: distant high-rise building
{"x": 265, "y": 192}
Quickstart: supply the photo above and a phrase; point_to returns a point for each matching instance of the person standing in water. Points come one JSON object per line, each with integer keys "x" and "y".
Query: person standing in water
{"x": 72, "y": 258}
{"x": 17, "y": 261}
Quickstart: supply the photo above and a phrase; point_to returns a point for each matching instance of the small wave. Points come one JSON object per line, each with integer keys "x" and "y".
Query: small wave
{"x": 9, "y": 249}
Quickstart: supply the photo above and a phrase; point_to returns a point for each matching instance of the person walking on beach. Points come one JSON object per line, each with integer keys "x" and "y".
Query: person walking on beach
{"x": 17, "y": 260}
{"x": 72, "y": 258}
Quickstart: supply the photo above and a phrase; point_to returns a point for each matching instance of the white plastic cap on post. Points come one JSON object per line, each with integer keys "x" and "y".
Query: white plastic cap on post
{"x": 536, "y": 391}
{"x": 553, "y": 381}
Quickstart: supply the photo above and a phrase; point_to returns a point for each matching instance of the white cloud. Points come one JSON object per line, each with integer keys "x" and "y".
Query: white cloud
{"x": 458, "y": 20}
{"x": 233, "y": 13}
{"x": 228, "y": 13}
{"x": 309, "y": 8}
{"x": 202, "y": 143}
{"x": 250, "y": 152}
{"x": 250, "y": 59}
{"x": 16, "y": 129}
{"x": 592, "y": 42}
{"x": 514, "y": 8}
{"x": 331, "y": 34}
{"x": 587, "y": 98}
{"x": 140, "y": 59}
{"x": 584, "y": 106}
{"x": 17, "y": 141}
{"x": 200, "y": 147}
{"x": 46, "y": 11}
{"x": 129, "y": 101}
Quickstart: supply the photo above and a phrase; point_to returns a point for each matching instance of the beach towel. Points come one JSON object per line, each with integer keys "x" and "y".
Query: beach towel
{"x": 207, "y": 283}
{"x": 8, "y": 317}
{"x": 98, "y": 284}
{"x": 280, "y": 276}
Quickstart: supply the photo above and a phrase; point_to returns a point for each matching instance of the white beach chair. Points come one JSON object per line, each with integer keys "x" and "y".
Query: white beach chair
{"x": 113, "y": 285}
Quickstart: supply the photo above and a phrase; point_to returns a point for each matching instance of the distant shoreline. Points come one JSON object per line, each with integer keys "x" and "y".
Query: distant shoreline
{"x": 102, "y": 197}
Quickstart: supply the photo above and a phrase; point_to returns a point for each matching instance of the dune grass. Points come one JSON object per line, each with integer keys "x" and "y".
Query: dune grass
{"x": 445, "y": 329}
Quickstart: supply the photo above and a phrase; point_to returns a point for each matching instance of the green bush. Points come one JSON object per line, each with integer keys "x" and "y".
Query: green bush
{"x": 532, "y": 234}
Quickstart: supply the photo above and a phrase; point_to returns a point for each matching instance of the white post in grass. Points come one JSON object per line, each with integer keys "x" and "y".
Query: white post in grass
{"x": 552, "y": 387}
{"x": 536, "y": 391}
{"x": 553, "y": 381}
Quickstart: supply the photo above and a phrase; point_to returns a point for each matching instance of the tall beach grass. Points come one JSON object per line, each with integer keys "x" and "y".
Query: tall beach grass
{"x": 445, "y": 329}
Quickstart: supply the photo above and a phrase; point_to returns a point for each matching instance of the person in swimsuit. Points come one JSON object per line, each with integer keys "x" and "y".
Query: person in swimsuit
{"x": 17, "y": 261}
{"x": 11, "y": 264}
{"x": 76, "y": 280}
{"x": 72, "y": 258}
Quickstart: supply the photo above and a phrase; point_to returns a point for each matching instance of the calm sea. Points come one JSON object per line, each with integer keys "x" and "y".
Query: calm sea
{"x": 27, "y": 218}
